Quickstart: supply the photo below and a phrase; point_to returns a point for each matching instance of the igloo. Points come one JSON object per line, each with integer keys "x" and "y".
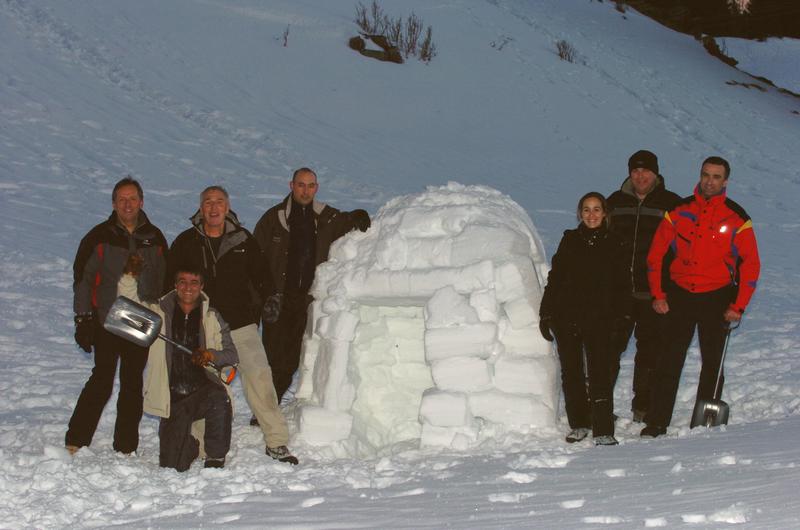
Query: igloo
{"x": 425, "y": 328}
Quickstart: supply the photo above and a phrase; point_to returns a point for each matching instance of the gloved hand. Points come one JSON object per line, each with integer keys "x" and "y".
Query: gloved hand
{"x": 134, "y": 265}
{"x": 546, "y": 327}
{"x": 202, "y": 357}
{"x": 272, "y": 308}
{"x": 361, "y": 220}
{"x": 84, "y": 331}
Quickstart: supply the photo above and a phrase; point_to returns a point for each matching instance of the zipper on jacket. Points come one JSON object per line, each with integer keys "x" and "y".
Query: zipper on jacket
{"x": 635, "y": 240}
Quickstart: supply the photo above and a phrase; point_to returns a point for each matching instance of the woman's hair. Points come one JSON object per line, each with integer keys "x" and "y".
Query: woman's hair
{"x": 599, "y": 196}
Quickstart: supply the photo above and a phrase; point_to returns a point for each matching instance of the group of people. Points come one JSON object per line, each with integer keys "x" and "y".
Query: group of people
{"x": 213, "y": 288}
{"x": 647, "y": 262}
{"x": 643, "y": 262}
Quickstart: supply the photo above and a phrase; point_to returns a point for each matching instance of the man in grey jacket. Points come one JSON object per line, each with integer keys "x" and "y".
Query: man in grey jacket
{"x": 98, "y": 266}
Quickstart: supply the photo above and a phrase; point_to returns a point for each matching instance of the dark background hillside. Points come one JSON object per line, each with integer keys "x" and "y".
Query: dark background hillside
{"x": 764, "y": 18}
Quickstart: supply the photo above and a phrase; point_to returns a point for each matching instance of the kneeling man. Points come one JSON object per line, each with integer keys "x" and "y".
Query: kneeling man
{"x": 186, "y": 391}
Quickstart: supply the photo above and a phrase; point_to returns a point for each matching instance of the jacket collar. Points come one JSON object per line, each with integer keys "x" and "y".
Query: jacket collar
{"x": 231, "y": 222}
{"x": 716, "y": 199}
{"x": 627, "y": 187}
{"x": 286, "y": 209}
{"x": 140, "y": 221}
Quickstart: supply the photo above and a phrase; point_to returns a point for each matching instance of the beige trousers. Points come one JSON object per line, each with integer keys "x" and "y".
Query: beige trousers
{"x": 259, "y": 391}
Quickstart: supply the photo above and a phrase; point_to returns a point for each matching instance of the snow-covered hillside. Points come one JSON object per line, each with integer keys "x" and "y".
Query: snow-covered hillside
{"x": 187, "y": 93}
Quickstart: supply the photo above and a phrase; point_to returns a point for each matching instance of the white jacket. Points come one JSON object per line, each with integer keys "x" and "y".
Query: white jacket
{"x": 215, "y": 337}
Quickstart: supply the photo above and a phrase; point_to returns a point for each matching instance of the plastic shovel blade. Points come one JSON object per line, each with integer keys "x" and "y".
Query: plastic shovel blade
{"x": 710, "y": 413}
{"x": 133, "y": 322}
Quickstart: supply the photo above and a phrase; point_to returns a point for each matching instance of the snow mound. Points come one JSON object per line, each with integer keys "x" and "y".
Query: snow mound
{"x": 424, "y": 328}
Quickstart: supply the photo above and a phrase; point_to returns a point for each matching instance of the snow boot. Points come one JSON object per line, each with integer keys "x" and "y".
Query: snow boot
{"x": 576, "y": 435}
{"x": 282, "y": 454}
{"x": 215, "y": 463}
{"x": 605, "y": 439}
{"x": 653, "y": 431}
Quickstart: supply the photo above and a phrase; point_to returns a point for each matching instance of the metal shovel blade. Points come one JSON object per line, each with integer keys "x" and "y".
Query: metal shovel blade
{"x": 710, "y": 413}
{"x": 133, "y": 322}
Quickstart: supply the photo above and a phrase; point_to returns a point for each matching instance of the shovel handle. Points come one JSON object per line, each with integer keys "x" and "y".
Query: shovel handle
{"x": 178, "y": 345}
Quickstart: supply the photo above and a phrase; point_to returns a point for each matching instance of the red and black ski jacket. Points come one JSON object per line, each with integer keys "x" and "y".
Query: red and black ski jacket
{"x": 102, "y": 255}
{"x": 714, "y": 246}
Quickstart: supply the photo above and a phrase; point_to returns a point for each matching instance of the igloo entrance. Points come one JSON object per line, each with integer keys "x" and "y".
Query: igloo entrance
{"x": 425, "y": 328}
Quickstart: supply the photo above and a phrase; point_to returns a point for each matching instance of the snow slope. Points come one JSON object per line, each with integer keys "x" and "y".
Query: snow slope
{"x": 775, "y": 59}
{"x": 187, "y": 93}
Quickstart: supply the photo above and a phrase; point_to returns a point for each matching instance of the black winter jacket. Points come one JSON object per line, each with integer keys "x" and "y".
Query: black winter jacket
{"x": 636, "y": 221}
{"x": 588, "y": 284}
{"x": 233, "y": 276}
{"x": 274, "y": 236}
{"x": 102, "y": 255}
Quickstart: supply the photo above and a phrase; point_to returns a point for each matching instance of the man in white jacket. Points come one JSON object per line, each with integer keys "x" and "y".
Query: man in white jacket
{"x": 184, "y": 389}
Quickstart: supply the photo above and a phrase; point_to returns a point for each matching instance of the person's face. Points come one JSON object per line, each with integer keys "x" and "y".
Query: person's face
{"x": 188, "y": 286}
{"x": 127, "y": 204}
{"x": 214, "y": 208}
{"x": 712, "y": 179}
{"x": 643, "y": 181}
{"x": 592, "y": 213}
{"x": 304, "y": 188}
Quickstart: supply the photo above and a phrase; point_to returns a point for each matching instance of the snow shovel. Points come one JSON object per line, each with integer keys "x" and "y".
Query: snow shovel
{"x": 135, "y": 323}
{"x": 714, "y": 412}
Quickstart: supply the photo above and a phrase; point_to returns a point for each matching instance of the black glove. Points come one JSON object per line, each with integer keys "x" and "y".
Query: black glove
{"x": 361, "y": 220}
{"x": 84, "y": 331}
{"x": 272, "y": 308}
{"x": 545, "y": 328}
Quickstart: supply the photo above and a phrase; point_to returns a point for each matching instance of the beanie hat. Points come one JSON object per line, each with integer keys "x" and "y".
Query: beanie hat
{"x": 645, "y": 159}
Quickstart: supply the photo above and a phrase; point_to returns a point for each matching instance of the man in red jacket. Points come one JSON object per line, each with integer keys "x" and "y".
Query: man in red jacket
{"x": 714, "y": 272}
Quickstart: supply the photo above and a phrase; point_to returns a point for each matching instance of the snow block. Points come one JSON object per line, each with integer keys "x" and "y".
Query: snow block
{"x": 338, "y": 326}
{"x": 319, "y": 426}
{"x": 512, "y": 410}
{"x": 525, "y": 375}
{"x": 521, "y": 313}
{"x": 485, "y": 304}
{"x": 412, "y": 287}
{"x": 480, "y": 242}
{"x": 444, "y": 409}
{"x": 308, "y": 358}
{"x": 515, "y": 278}
{"x": 526, "y": 341}
{"x": 461, "y": 374}
{"x": 458, "y": 438}
{"x": 447, "y": 308}
{"x": 332, "y": 388}
{"x": 477, "y": 340}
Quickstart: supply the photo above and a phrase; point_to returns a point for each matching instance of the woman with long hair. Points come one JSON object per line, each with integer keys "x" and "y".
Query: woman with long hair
{"x": 585, "y": 301}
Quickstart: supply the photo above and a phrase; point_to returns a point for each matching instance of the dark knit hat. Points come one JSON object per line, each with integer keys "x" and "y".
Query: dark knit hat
{"x": 645, "y": 159}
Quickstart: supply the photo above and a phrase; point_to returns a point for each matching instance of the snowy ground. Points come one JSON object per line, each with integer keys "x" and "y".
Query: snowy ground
{"x": 193, "y": 92}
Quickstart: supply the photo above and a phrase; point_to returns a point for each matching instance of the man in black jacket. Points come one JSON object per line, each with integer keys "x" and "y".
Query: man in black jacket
{"x": 233, "y": 269}
{"x": 98, "y": 266}
{"x": 296, "y": 236}
{"x": 637, "y": 209}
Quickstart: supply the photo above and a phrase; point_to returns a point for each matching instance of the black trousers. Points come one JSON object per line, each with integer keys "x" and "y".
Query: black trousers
{"x": 688, "y": 311}
{"x": 283, "y": 340}
{"x": 591, "y": 407}
{"x": 95, "y": 394}
{"x": 178, "y": 448}
{"x": 648, "y": 327}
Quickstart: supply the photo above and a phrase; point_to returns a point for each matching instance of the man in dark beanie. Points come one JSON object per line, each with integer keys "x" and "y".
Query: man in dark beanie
{"x": 636, "y": 210}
